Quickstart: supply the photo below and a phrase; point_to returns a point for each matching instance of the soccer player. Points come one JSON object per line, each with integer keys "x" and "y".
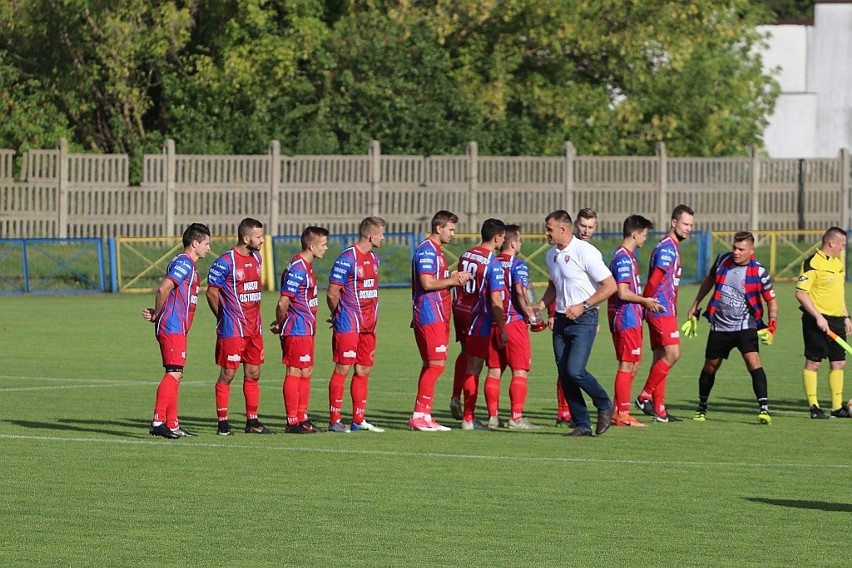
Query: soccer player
{"x": 517, "y": 353}
{"x": 625, "y": 316}
{"x": 740, "y": 285}
{"x": 172, "y": 315}
{"x": 431, "y": 281}
{"x": 821, "y": 294}
{"x": 579, "y": 280}
{"x": 233, "y": 294}
{"x": 663, "y": 283}
{"x": 463, "y": 301}
{"x": 479, "y": 304}
{"x": 353, "y": 298}
{"x": 296, "y": 324}
{"x": 584, "y": 227}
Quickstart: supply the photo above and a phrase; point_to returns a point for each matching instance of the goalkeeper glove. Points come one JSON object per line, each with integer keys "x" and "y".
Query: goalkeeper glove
{"x": 690, "y": 328}
{"x": 767, "y": 334}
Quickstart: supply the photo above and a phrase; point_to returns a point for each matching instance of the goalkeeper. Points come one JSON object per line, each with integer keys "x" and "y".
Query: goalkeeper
{"x": 740, "y": 285}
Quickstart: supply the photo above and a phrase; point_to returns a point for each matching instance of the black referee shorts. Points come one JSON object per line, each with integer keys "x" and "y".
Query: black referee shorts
{"x": 721, "y": 343}
{"x": 818, "y": 345}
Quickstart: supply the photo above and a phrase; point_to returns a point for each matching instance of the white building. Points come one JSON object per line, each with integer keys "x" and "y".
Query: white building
{"x": 813, "y": 114}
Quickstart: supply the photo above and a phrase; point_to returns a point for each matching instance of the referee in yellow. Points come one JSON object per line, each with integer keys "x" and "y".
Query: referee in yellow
{"x": 820, "y": 291}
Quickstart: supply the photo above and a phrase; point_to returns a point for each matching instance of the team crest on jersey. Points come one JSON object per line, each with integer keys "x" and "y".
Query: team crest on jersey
{"x": 567, "y": 259}
{"x": 360, "y": 272}
{"x": 240, "y": 273}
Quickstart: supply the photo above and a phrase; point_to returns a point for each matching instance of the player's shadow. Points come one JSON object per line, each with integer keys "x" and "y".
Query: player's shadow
{"x": 803, "y": 504}
{"x": 123, "y": 428}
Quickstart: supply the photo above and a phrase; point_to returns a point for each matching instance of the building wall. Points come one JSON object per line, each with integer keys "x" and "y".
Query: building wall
{"x": 813, "y": 115}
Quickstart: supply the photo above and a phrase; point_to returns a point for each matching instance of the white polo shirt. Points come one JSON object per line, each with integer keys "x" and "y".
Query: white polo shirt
{"x": 576, "y": 271}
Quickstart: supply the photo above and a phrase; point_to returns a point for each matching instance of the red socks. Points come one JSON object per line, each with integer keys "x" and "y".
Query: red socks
{"x": 358, "y": 391}
{"x": 470, "y": 389}
{"x": 492, "y": 395}
{"x": 518, "y": 396}
{"x": 166, "y": 403}
{"x": 563, "y": 411}
{"x": 291, "y": 398}
{"x": 251, "y": 390}
{"x": 623, "y": 384}
{"x": 223, "y": 394}
{"x": 656, "y": 386}
{"x": 459, "y": 375}
{"x": 429, "y": 376}
{"x": 336, "y": 386}
{"x": 304, "y": 398}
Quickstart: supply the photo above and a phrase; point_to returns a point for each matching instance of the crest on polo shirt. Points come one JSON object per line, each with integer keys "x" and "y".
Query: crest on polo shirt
{"x": 566, "y": 259}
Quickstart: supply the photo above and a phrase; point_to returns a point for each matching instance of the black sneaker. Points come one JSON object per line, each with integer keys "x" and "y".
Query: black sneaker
{"x": 255, "y": 427}
{"x": 164, "y": 431}
{"x": 666, "y": 419}
{"x": 312, "y": 428}
{"x": 817, "y": 413}
{"x": 842, "y": 412}
{"x": 298, "y": 428}
{"x": 183, "y": 433}
{"x": 645, "y": 406}
{"x": 223, "y": 428}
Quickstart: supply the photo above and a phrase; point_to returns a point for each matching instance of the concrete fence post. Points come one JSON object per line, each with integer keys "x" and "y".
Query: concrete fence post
{"x": 472, "y": 187}
{"x": 375, "y": 177}
{"x": 663, "y": 209}
{"x": 274, "y": 189}
{"x": 754, "y": 189}
{"x": 62, "y": 189}
{"x": 569, "y": 153}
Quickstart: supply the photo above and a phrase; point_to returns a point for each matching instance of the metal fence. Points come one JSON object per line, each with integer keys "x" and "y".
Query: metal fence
{"x": 63, "y": 195}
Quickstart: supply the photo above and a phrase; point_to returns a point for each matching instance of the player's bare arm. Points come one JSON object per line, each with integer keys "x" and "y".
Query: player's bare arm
{"x": 626, "y": 295}
{"x": 163, "y": 291}
{"x": 706, "y": 285}
{"x": 499, "y": 315}
{"x": 332, "y": 297}
{"x": 431, "y": 284}
{"x": 280, "y": 314}
{"x": 212, "y": 295}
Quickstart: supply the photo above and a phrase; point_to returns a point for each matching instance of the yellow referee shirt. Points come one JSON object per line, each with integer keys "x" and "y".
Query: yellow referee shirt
{"x": 823, "y": 278}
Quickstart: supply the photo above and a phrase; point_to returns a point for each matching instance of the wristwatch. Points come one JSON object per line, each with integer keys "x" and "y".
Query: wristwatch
{"x": 587, "y": 305}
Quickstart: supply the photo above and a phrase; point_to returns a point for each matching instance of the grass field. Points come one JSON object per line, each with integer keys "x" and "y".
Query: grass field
{"x": 85, "y": 485}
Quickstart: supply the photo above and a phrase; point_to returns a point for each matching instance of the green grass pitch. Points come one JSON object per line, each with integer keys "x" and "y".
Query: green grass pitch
{"x": 85, "y": 485}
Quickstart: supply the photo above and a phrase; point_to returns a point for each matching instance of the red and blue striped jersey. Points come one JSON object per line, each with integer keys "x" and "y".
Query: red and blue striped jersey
{"x": 429, "y": 306}
{"x": 357, "y": 274}
{"x": 482, "y": 316}
{"x": 238, "y": 279}
{"x": 624, "y": 315}
{"x": 300, "y": 285}
{"x": 515, "y": 271}
{"x": 475, "y": 261}
{"x": 179, "y": 310}
{"x": 666, "y": 256}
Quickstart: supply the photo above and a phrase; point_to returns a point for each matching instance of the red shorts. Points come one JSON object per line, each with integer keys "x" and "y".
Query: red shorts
{"x": 433, "y": 340}
{"x": 663, "y": 331}
{"x": 354, "y": 348}
{"x": 461, "y": 323}
{"x": 298, "y": 351}
{"x": 517, "y": 355}
{"x": 479, "y": 345}
{"x": 231, "y": 351}
{"x": 628, "y": 344}
{"x": 172, "y": 349}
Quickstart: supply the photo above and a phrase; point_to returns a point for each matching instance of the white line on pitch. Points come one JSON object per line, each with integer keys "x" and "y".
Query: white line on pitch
{"x": 429, "y": 454}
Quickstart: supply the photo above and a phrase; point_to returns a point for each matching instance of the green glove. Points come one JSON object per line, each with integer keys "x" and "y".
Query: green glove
{"x": 766, "y": 336}
{"x": 690, "y": 328}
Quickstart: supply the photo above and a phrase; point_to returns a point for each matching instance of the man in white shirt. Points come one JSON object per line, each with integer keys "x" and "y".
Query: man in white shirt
{"x": 579, "y": 281}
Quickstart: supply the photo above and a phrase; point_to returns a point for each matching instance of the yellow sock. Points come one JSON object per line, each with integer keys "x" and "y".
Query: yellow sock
{"x": 809, "y": 379}
{"x": 835, "y": 385}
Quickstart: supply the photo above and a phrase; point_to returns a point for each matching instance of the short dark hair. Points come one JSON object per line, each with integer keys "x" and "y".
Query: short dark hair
{"x": 369, "y": 224}
{"x": 635, "y": 223}
{"x": 513, "y": 233}
{"x": 441, "y": 218}
{"x": 311, "y": 234}
{"x": 491, "y": 228}
{"x": 831, "y": 233}
{"x": 560, "y": 216}
{"x": 247, "y": 225}
{"x": 586, "y": 213}
{"x": 678, "y": 211}
{"x": 195, "y": 232}
{"x": 741, "y": 236}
